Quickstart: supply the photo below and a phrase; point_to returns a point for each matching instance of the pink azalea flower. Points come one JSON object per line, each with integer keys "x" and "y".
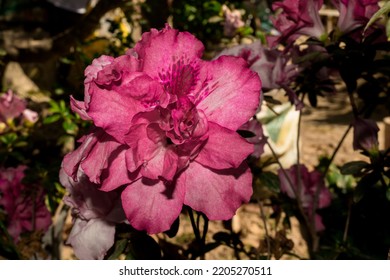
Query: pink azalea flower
{"x": 365, "y": 134}
{"x": 167, "y": 129}
{"x": 311, "y": 185}
{"x": 232, "y": 22}
{"x": 95, "y": 215}
{"x": 30, "y": 115}
{"x": 12, "y": 107}
{"x": 354, "y": 13}
{"x": 24, "y": 205}
{"x": 297, "y": 18}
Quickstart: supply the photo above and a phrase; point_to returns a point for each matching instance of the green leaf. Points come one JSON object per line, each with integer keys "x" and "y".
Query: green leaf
{"x": 384, "y": 11}
{"x": 70, "y": 127}
{"x": 353, "y": 167}
{"x": 269, "y": 99}
{"x": 51, "y": 119}
{"x": 270, "y": 180}
{"x": 366, "y": 182}
{"x": 54, "y": 107}
{"x": 388, "y": 194}
{"x": 63, "y": 106}
{"x": 20, "y": 144}
{"x": 9, "y": 138}
{"x": 119, "y": 247}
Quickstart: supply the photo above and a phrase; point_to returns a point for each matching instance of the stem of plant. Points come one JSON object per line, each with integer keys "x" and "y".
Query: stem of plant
{"x": 267, "y": 237}
{"x": 337, "y": 149}
{"x": 195, "y": 226}
{"x": 312, "y": 235}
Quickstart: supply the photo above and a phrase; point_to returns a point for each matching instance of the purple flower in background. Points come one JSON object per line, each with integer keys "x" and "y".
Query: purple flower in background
{"x": 365, "y": 134}
{"x": 297, "y": 18}
{"x": 310, "y": 188}
{"x": 10, "y": 106}
{"x": 24, "y": 205}
{"x": 273, "y": 66}
{"x": 259, "y": 139}
{"x": 167, "y": 124}
{"x": 354, "y": 13}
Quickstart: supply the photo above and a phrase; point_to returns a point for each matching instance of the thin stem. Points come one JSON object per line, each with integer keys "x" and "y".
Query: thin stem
{"x": 312, "y": 232}
{"x": 345, "y": 235}
{"x": 266, "y": 231}
{"x": 337, "y": 149}
{"x": 205, "y": 228}
{"x": 353, "y": 104}
{"x": 299, "y": 135}
{"x": 298, "y": 169}
{"x": 272, "y": 109}
{"x": 201, "y": 240}
{"x": 193, "y": 224}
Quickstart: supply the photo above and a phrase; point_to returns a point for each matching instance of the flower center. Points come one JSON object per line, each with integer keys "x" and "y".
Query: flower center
{"x": 180, "y": 77}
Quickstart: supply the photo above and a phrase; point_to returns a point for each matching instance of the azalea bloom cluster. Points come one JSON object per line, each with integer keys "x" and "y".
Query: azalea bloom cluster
{"x": 297, "y": 18}
{"x": 13, "y": 107}
{"x": 165, "y": 136}
{"x": 309, "y": 187}
{"x": 24, "y": 205}
{"x": 302, "y": 17}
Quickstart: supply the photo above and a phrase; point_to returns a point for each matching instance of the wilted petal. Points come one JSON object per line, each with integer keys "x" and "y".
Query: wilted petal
{"x": 365, "y": 134}
{"x": 259, "y": 139}
{"x": 72, "y": 160}
{"x": 216, "y": 193}
{"x": 91, "y": 239}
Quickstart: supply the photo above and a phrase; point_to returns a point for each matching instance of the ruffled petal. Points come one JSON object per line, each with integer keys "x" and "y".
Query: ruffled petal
{"x": 152, "y": 205}
{"x": 72, "y": 160}
{"x": 216, "y": 193}
{"x": 224, "y": 148}
{"x": 80, "y": 108}
{"x": 116, "y": 174}
{"x": 101, "y": 156}
{"x": 113, "y": 111}
{"x": 229, "y": 86}
{"x": 147, "y": 144}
